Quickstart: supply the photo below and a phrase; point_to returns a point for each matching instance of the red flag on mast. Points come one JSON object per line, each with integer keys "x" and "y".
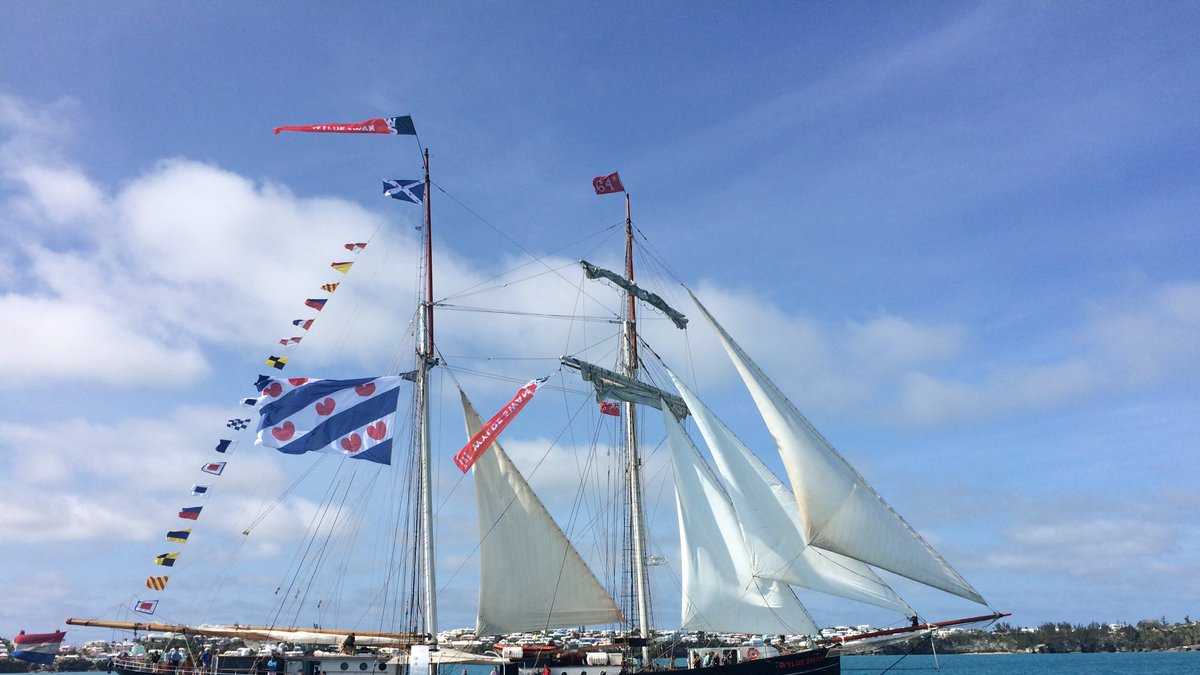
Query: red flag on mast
{"x": 608, "y": 184}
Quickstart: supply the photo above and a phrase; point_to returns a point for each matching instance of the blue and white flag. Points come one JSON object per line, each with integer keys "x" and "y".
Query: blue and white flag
{"x": 405, "y": 190}
{"x": 352, "y": 417}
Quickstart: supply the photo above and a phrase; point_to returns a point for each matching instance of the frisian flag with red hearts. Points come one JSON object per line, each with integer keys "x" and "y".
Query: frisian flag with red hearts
{"x": 37, "y": 647}
{"x": 479, "y": 443}
{"x": 402, "y": 125}
{"x": 352, "y": 417}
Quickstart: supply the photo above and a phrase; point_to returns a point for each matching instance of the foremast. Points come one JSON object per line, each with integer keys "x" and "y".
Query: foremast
{"x": 629, "y": 363}
{"x": 425, "y": 361}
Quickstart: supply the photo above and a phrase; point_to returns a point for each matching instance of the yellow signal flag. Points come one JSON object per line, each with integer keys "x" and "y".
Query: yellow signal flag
{"x": 156, "y": 583}
{"x": 342, "y": 267}
{"x": 277, "y": 362}
{"x": 166, "y": 559}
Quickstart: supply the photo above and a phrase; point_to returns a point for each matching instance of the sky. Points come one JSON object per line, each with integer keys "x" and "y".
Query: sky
{"x": 961, "y": 237}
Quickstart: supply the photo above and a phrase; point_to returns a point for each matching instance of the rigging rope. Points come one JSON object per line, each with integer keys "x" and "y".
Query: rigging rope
{"x": 516, "y": 243}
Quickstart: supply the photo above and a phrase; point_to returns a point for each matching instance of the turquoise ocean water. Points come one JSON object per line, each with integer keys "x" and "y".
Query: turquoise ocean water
{"x": 1166, "y": 663}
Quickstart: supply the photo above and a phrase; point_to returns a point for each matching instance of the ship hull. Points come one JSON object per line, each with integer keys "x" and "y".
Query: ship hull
{"x": 814, "y": 661}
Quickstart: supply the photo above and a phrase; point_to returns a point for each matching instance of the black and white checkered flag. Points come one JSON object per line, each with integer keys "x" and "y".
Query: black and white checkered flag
{"x": 238, "y": 424}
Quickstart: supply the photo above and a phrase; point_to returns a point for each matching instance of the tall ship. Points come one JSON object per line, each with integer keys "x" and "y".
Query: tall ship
{"x": 747, "y": 537}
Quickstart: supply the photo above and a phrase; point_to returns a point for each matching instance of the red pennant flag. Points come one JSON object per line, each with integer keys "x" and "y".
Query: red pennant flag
{"x": 377, "y": 125}
{"x": 483, "y": 440}
{"x": 608, "y": 184}
{"x": 610, "y": 408}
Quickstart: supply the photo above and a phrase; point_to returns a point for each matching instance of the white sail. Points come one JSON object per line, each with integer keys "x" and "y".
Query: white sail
{"x": 531, "y": 576}
{"x": 840, "y": 511}
{"x": 771, "y": 522}
{"x": 720, "y": 591}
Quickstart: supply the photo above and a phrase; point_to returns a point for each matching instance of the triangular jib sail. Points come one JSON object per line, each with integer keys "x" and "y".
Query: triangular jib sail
{"x": 841, "y": 513}
{"x": 720, "y": 591}
{"x": 531, "y": 576}
{"x": 771, "y": 523}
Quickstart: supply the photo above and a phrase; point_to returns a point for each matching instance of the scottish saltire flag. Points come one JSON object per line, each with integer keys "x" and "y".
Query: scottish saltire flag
{"x": 405, "y": 190}
{"x": 353, "y": 417}
{"x": 37, "y": 647}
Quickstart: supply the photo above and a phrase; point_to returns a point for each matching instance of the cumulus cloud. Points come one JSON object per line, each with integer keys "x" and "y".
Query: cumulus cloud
{"x": 1127, "y": 343}
{"x": 1096, "y": 546}
{"x": 118, "y": 481}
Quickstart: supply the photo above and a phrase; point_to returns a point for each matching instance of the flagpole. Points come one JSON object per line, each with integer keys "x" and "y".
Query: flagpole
{"x": 425, "y": 358}
{"x": 636, "y": 517}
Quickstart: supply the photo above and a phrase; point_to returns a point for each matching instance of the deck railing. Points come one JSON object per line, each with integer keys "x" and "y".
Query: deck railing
{"x": 141, "y": 664}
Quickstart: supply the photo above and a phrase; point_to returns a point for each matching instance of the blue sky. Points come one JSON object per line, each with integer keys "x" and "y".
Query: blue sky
{"x": 961, "y": 237}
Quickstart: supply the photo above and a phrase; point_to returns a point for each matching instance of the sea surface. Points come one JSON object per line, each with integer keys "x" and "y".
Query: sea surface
{"x": 1130, "y": 663}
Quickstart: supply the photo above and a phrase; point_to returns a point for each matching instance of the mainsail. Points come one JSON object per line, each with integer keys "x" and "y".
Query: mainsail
{"x": 841, "y": 513}
{"x": 531, "y": 576}
{"x": 771, "y": 522}
{"x": 720, "y": 590}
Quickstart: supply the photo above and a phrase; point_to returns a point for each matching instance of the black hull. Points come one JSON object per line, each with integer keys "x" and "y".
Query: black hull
{"x": 814, "y": 661}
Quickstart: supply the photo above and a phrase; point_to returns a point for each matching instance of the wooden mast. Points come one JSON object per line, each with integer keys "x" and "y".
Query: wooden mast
{"x": 425, "y": 360}
{"x": 636, "y": 517}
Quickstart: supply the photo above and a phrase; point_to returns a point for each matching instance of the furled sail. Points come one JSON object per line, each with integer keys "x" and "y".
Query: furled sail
{"x": 771, "y": 522}
{"x": 720, "y": 591}
{"x": 840, "y": 511}
{"x": 531, "y": 576}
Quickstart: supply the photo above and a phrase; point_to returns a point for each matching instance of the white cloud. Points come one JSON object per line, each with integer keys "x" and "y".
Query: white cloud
{"x": 1098, "y": 546}
{"x": 1151, "y": 334}
{"x": 124, "y": 481}
{"x": 61, "y": 194}
{"x": 891, "y": 341}
{"x": 58, "y": 339}
{"x": 1145, "y": 338}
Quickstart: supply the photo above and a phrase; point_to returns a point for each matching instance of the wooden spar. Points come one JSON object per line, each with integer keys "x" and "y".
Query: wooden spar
{"x": 920, "y": 627}
{"x": 405, "y": 638}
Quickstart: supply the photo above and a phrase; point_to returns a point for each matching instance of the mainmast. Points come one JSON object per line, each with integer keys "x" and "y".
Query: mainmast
{"x": 425, "y": 360}
{"x": 636, "y": 518}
